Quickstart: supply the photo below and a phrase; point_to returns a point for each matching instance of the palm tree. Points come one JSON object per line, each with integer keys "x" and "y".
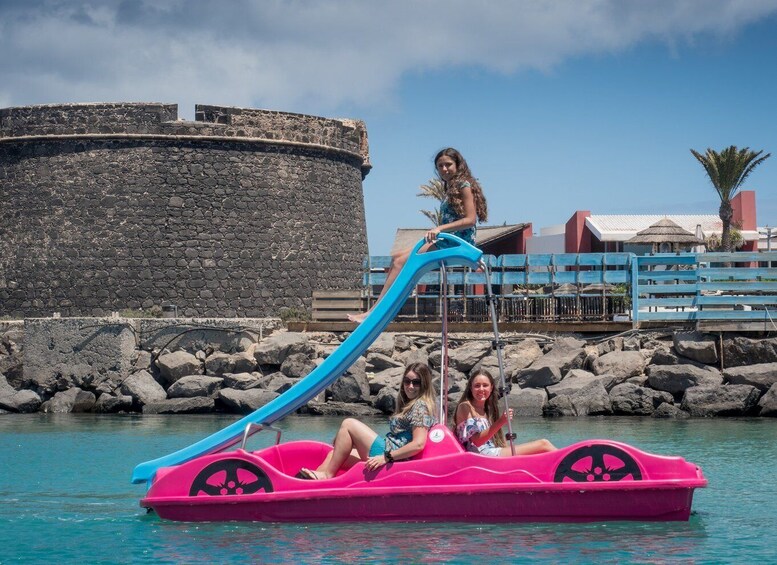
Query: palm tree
{"x": 435, "y": 189}
{"x": 727, "y": 171}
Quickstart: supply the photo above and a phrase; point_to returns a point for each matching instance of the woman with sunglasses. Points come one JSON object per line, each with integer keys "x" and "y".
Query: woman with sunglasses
{"x": 408, "y": 426}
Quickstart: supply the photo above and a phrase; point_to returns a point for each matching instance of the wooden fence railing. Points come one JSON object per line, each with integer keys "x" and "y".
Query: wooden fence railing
{"x": 705, "y": 287}
{"x": 570, "y": 287}
{"x": 689, "y": 288}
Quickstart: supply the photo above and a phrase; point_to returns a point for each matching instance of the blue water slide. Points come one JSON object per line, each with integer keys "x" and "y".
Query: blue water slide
{"x": 459, "y": 253}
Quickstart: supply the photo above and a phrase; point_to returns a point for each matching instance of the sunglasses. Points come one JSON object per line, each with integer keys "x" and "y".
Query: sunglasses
{"x": 415, "y": 382}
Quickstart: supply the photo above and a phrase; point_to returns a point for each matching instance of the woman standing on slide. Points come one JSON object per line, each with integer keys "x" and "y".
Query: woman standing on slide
{"x": 463, "y": 207}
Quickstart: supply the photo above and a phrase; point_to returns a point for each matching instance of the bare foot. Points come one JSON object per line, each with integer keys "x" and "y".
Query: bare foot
{"x": 357, "y": 318}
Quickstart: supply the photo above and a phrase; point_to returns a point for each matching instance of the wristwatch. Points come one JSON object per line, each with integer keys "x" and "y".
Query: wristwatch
{"x": 387, "y": 456}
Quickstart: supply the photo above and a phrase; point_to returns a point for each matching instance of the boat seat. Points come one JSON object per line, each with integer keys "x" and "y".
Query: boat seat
{"x": 440, "y": 441}
{"x": 289, "y": 457}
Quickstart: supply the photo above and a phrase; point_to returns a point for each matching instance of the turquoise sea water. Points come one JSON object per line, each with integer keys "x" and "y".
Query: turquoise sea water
{"x": 65, "y": 496}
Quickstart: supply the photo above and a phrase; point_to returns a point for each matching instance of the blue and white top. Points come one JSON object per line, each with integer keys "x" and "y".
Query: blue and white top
{"x": 448, "y": 215}
{"x": 401, "y": 426}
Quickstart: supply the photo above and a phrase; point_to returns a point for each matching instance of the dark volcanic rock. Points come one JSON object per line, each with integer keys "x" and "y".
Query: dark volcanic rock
{"x": 723, "y": 400}
{"x": 198, "y": 405}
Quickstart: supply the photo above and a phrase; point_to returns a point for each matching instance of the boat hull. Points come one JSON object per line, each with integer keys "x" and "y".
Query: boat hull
{"x": 510, "y": 506}
{"x": 596, "y": 480}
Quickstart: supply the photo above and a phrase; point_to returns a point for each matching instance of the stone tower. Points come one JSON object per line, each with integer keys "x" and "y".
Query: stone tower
{"x": 243, "y": 212}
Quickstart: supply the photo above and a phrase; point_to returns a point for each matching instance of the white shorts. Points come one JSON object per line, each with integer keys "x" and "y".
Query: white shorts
{"x": 490, "y": 451}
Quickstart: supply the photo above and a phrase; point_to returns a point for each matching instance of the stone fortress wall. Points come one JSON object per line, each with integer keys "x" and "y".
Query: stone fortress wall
{"x": 241, "y": 213}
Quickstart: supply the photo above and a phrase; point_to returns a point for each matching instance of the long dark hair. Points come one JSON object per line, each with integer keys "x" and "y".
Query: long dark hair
{"x": 492, "y": 404}
{"x": 453, "y": 187}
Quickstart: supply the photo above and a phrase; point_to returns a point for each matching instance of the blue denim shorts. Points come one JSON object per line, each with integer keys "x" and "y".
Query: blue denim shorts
{"x": 378, "y": 446}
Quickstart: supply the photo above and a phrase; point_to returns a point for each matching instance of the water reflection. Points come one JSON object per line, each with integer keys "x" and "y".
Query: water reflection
{"x": 431, "y": 542}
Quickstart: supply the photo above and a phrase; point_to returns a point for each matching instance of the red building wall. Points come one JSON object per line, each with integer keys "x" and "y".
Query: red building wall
{"x": 577, "y": 236}
{"x": 743, "y": 206}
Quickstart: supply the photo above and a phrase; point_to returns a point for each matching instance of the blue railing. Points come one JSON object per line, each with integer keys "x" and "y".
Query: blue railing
{"x": 697, "y": 287}
{"x": 689, "y": 287}
{"x": 547, "y": 287}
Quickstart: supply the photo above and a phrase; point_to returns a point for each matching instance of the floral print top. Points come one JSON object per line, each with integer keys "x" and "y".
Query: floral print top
{"x": 401, "y": 426}
{"x": 468, "y": 428}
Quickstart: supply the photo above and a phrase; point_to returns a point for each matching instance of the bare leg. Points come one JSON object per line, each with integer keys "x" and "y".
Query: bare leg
{"x": 352, "y": 459}
{"x": 530, "y": 448}
{"x": 397, "y": 262}
{"x": 352, "y": 443}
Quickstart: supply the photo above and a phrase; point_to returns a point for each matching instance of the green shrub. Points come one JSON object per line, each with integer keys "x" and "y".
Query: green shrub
{"x": 153, "y": 312}
{"x": 294, "y": 315}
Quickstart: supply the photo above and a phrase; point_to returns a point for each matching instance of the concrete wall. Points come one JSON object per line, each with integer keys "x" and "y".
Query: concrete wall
{"x": 241, "y": 213}
{"x": 551, "y": 240}
{"x": 97, "y": 354}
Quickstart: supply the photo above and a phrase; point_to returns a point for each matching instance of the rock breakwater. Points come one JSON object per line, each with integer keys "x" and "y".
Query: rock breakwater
{"x": 160, "y": 367}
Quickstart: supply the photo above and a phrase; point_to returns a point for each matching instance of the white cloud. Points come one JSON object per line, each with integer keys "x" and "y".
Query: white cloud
{"x": 316, "y": 55}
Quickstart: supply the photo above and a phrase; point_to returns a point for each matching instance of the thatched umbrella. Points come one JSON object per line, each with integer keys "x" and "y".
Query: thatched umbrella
{"x": 566, "y": 288}
{"x": 598, "y": 287}
{"x": 666, "y": 231}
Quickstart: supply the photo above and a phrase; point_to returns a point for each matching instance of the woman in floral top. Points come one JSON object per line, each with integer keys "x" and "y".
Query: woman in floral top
{"x": 479, "y": 422}
{"x": 464, "y": 206}
{"x": 408, "y": 426}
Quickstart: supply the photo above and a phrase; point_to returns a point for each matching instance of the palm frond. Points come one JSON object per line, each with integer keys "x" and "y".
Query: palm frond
{"x": 435, "y": 189}
{"x": 727, "y": 171}
{"x": 434, "y": 216}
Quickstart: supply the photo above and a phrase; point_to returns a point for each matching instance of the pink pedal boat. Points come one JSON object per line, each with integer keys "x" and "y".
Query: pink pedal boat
{"x": 593, "y": 480}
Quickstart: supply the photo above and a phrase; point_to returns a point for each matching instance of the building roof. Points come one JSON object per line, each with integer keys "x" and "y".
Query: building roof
{"x": 406, "y": 238}
{"x": 665, "y": 231}
{"x": 616, "y": 227}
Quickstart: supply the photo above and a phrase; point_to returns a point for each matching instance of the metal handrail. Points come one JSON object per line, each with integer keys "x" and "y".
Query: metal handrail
{"x": 498, "y": 346}
{"x": 252, "y": 428}
{"x": 444, "y": 345}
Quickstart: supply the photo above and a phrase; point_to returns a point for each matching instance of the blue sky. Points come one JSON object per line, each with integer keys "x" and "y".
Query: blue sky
{"x": 607, "y": 133}
{"x": 557, "y": 106}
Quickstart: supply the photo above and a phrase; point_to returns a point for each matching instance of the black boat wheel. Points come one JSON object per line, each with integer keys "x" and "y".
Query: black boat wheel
{"x": 622, "y": 465}
{"x": 230, "y": 483}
